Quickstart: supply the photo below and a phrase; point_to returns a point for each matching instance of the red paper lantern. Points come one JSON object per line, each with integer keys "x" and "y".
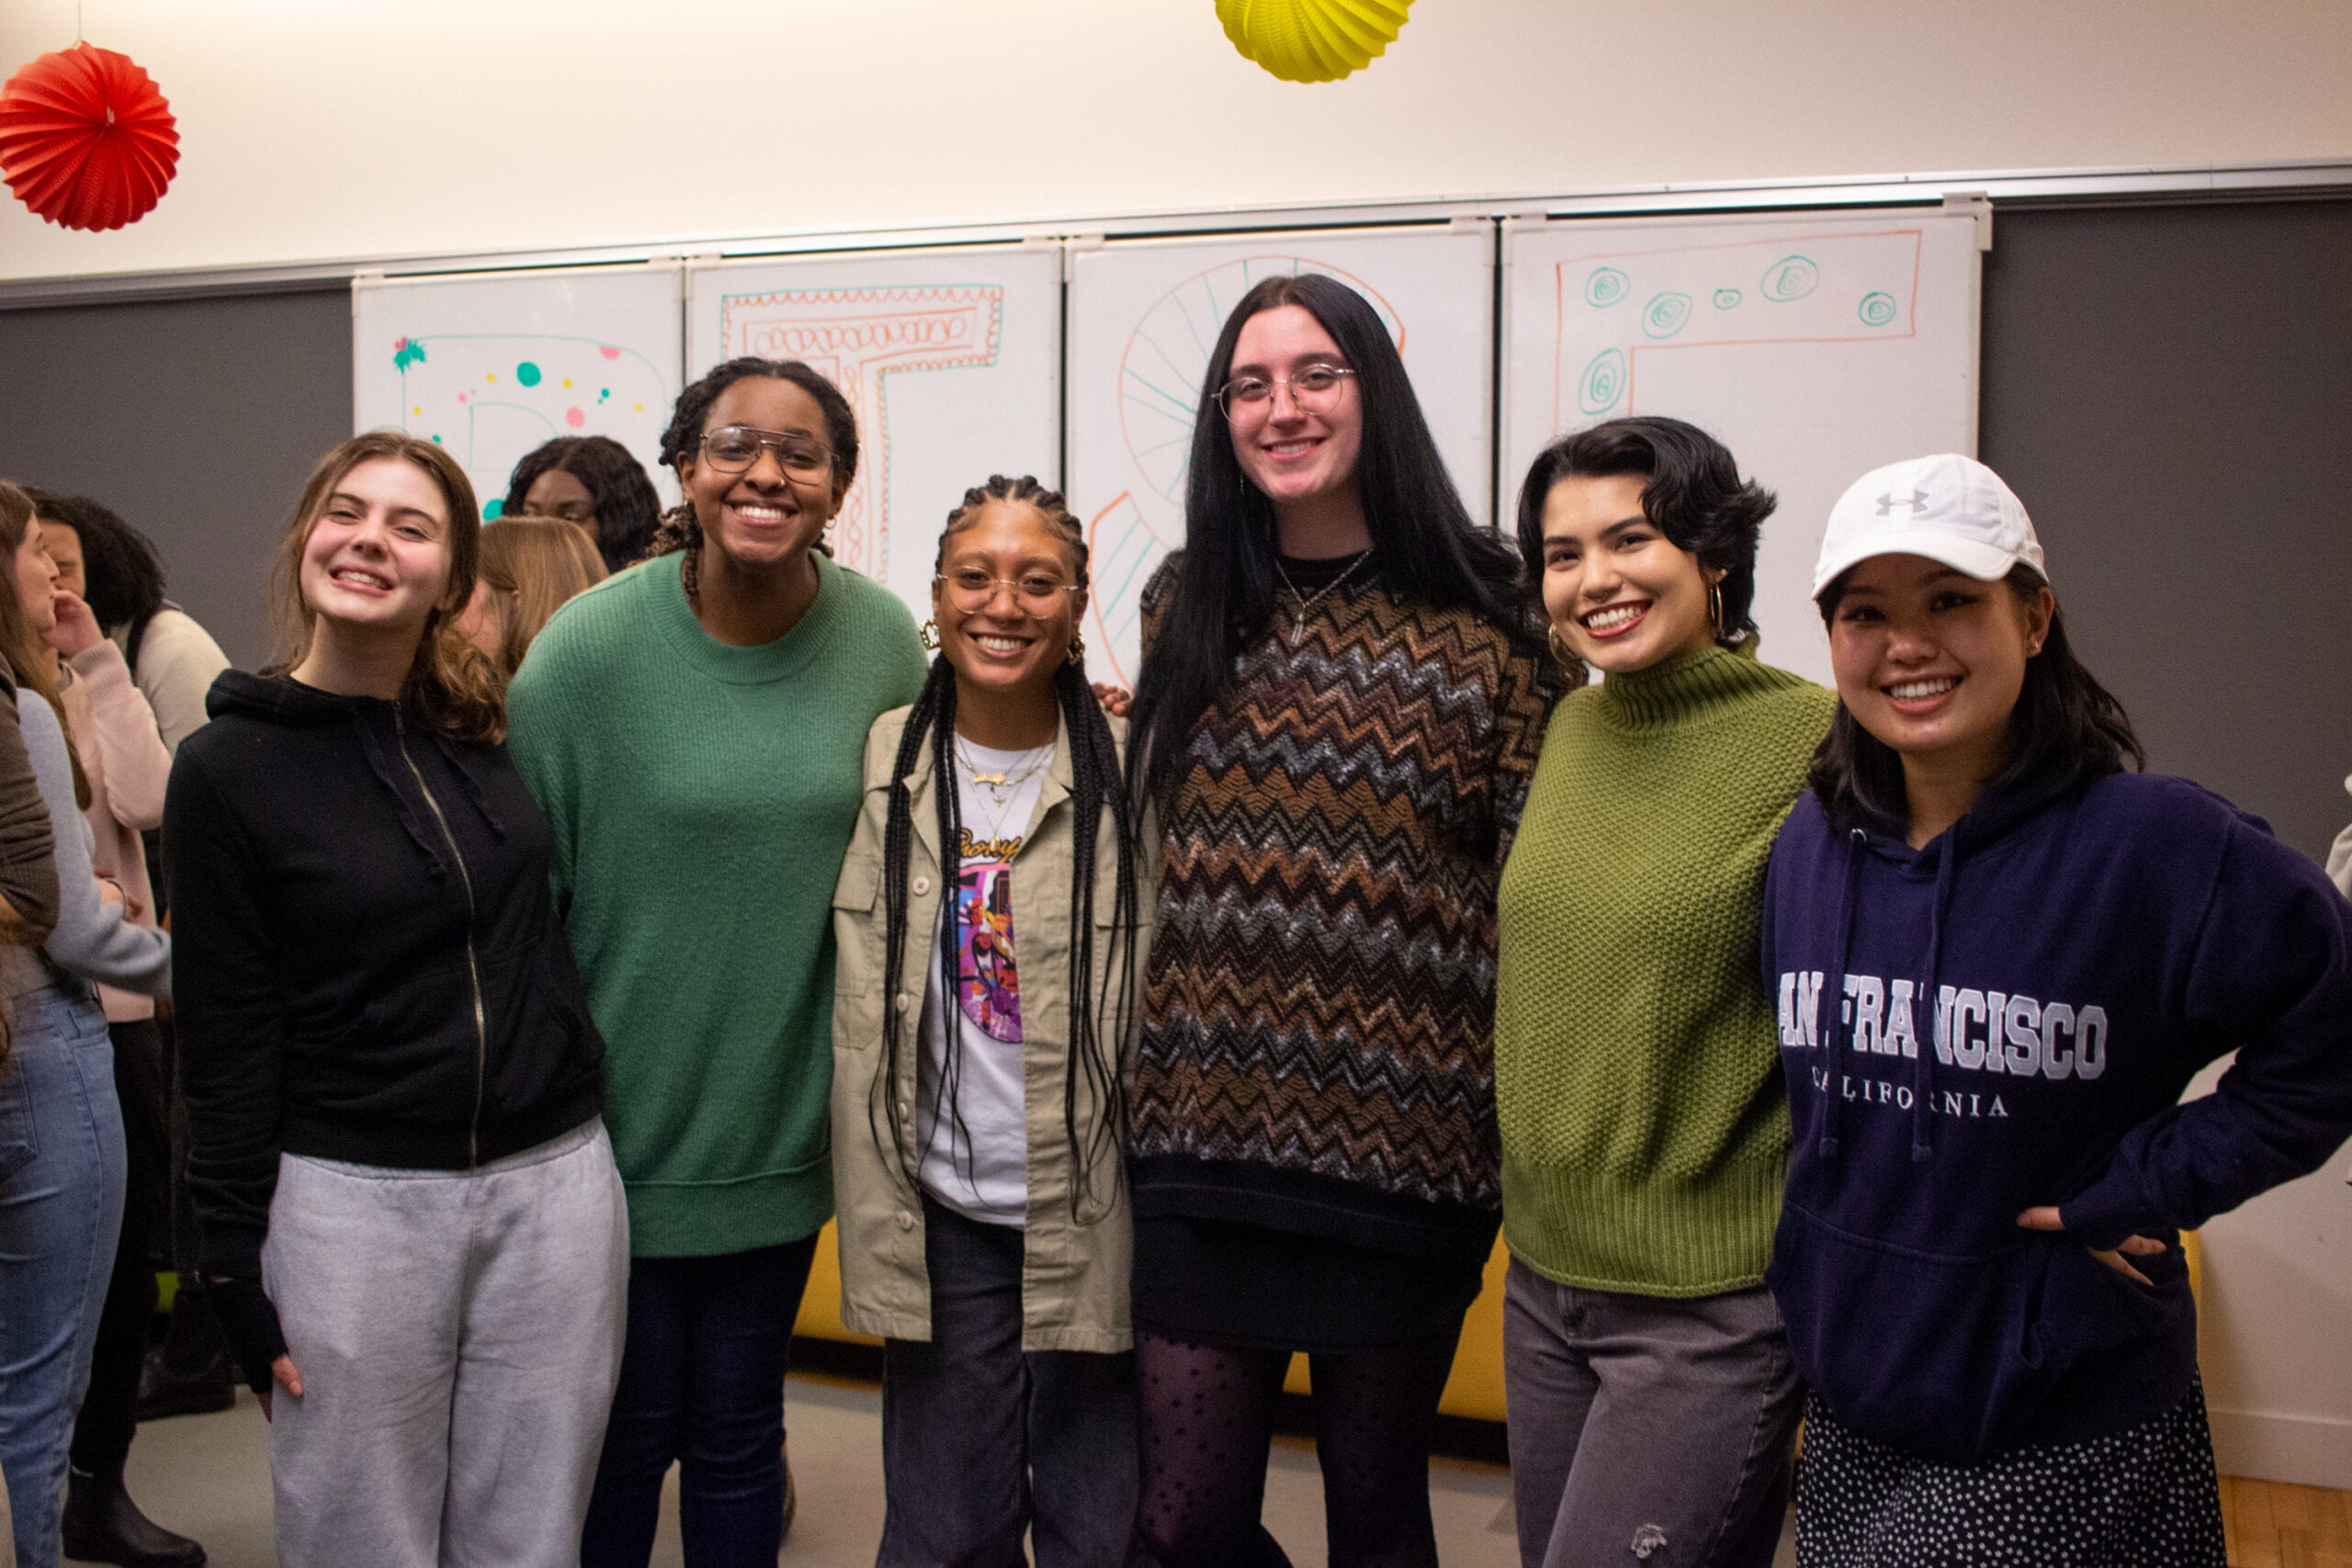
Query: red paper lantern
{"x": 86, "y": 139}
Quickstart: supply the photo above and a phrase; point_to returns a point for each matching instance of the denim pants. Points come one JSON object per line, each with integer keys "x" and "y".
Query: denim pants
{"x": 982, "y": 1441}
{"x": 458, "y": 1333}
{"x": 1646, "y": 1430}
{"x": 61, "y": 1207}
{"x": 701, "y": 1386}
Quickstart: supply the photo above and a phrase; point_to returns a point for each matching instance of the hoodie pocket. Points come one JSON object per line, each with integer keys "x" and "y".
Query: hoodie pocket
{"x": 1944, "y": 1357}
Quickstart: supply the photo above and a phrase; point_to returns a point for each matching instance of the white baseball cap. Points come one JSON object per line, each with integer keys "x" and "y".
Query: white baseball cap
{"x": 1948, "y": 508}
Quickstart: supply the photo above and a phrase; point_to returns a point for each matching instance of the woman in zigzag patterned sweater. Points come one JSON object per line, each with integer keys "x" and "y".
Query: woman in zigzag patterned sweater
{"x": 1339, "y": 711}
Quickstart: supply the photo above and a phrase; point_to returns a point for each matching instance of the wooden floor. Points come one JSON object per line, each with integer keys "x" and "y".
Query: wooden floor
{"x": 2272, "y": 1525}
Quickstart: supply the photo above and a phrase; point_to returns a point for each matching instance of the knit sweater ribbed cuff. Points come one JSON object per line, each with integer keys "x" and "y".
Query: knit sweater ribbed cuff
{"x": 1662, "y": 1238}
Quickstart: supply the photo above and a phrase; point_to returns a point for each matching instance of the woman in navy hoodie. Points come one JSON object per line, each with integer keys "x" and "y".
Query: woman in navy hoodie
{"x": 1999, "y": 960}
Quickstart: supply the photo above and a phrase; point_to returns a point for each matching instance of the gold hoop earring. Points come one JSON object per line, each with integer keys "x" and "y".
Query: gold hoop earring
{"x": 1559, "y": 648}
{"x": 1715, "y": 608}
{"x": 1077, "y": 654}
{"x": 929, "y": 632}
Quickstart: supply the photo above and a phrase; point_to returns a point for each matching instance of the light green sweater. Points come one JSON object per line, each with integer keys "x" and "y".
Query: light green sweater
{"x": 1637, "y": 1075}
{"x": 702, "y": 798}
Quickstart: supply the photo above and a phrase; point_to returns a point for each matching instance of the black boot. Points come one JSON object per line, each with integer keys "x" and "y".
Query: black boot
{"x": 103, "y": 1525}
{"x": 189, "y": 1373}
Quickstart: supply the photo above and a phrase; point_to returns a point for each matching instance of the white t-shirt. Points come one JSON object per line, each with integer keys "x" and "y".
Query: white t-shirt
{"x": 981, "y": 1168}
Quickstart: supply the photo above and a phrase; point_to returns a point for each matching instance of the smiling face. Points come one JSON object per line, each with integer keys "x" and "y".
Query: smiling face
{"x": 1292, "y": 451}
{"x": 64, "y": 543}
{"x": 377, "y": 556}
{"x": 36, "y": 581}
{"x": 558, "y": 494}
{"x": 1000, "y": 638}
{"x": 1930, "y": 661}
{"x": 1620, "y": 593}
{"x": 762, "y": 517}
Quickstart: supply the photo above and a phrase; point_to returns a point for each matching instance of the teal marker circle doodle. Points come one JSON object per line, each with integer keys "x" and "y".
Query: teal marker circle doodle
{"x": 1603, "y": 382}
{"x": 1727, "y": 298}
{"x": 1666, "y": 314}
{"x": 1877, "y": 309}
{"x": 1791, "y": 278}
{"x": 527, "y": 373}
{"x": 1606, "y": 286}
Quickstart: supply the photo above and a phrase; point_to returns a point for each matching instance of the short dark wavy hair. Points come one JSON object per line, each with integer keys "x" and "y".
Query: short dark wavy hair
{"x": 1695, "y": 497}
{"x": 628, "y": 510}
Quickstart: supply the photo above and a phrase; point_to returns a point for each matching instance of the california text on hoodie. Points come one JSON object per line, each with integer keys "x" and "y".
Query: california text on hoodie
{"x": 2005, "y": 1019}
{"x": 369, "y": 966}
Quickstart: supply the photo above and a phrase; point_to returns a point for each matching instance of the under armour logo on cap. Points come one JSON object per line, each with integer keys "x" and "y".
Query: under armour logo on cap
{"x": 1918, "y": 503}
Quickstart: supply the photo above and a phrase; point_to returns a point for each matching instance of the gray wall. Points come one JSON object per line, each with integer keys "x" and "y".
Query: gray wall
{"x": 196, "y": 420}
{"x": 2170, "y": 390}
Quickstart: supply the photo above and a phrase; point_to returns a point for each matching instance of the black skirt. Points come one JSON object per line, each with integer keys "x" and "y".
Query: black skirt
{"x": 2144, "y": 1497}
{"x": 1219, "y": 1283}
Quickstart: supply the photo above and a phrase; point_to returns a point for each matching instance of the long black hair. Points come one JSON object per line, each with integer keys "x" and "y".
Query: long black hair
{"x": 1693, "y": 495}
{"x": 1423, "y": 544}
{"x": 1097, "y": 789}
{"x": 122, "y": 575}
{"x": 680, "y": 530}
{"x": 627, "y": 512}
{"x": 2066, "y": 730}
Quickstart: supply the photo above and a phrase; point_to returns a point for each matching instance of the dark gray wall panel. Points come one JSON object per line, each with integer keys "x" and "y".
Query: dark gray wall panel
{"x": 196, "y": 420}
{"x": 2170, "y": 390}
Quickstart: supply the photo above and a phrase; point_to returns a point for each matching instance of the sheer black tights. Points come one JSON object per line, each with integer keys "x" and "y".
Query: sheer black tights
{"x": 1208, "y": 1417}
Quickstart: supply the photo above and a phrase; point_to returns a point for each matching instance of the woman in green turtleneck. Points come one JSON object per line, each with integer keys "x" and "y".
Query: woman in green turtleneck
{"x": 1636, "y": 1071}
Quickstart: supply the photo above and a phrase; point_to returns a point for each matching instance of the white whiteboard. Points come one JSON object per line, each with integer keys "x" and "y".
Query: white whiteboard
{"x": 1815, "y": 349}
{"x": 951, "y": 358}
{"x": 493, "y": 367}
{"x": 1143, "y": 319}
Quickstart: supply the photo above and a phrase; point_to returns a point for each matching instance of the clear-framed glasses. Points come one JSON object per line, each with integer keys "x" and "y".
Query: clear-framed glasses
{"x": 1039, "y": 593}
{"x": 732, "y": 449}
{"x": 1315, "y": 387}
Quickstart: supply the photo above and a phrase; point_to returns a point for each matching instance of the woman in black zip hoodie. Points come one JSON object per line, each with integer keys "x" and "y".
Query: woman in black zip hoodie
{"x": 1999, "y": 959}
{"x": 411, "y": 1220}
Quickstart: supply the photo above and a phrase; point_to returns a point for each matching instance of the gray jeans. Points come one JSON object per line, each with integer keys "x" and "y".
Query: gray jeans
{"x": 459, "y": 1334}
{"x": 1647, "y": 1429}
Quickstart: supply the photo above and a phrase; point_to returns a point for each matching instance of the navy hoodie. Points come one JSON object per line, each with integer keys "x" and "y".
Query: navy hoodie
{"x": 2007, "y": 1018}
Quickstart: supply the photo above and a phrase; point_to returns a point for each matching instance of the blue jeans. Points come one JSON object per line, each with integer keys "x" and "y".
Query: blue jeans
{"x": 981, "y": 1441}
{"x": 60, "y": 1208}
{"x": 702, "y": 1385}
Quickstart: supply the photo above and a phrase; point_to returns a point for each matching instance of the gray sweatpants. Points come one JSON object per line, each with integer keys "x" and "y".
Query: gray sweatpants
{"x": 459, "y": 1334}
{"x": 1644, "y": 1430}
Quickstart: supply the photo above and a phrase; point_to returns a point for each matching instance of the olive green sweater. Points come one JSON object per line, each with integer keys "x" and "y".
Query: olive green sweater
{"x": 701, "y": 797}
{"x": 1637, "y": 1077}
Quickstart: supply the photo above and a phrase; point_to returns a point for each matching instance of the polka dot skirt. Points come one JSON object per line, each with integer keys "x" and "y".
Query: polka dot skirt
{"x": 2144, "y": 1497}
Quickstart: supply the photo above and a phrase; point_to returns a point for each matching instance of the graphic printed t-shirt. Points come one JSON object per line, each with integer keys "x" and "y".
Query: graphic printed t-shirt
{"x": 977, "y": 1164}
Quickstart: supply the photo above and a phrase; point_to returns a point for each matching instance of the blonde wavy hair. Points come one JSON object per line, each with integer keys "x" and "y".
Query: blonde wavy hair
{"x": 533, "y": 564}
{"x": 450, "y": 687}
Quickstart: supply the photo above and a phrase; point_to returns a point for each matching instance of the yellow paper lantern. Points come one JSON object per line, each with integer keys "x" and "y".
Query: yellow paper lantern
{"x": 1312, "y": 41}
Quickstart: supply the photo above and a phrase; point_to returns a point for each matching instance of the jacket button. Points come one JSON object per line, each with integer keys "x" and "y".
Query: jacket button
{"x": 906, "y": 1107}
{"x": 905, "y": 1001}
{"x": 906, "y": 1221}
{"x": 922, "y": 885}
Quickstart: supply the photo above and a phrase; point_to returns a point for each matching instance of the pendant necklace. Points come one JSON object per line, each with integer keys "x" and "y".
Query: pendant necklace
{"x": 1003, "y": 782}
{"x": 1306, "y": 601}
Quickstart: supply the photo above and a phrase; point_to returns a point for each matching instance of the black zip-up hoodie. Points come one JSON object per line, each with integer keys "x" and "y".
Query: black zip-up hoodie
{"x": 367, "y": 964}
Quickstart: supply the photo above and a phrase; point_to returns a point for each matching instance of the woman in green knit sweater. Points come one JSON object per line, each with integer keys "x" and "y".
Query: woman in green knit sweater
{"x": 694, "y": 729}
{"x": 1645, "y": 1137}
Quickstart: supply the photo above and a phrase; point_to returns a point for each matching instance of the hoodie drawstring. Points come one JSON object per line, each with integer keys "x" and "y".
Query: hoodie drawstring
{"x": 378, "y": 764}
{"x": 1840, "y": 1028}
{"x": 473, "y": 785}
{"x": 1923, "y": 1071}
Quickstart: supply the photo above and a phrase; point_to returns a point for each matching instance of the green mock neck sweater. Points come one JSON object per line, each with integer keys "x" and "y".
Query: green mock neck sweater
{"x": 702, "y": 796}
{"x": 1637, "y": 1075}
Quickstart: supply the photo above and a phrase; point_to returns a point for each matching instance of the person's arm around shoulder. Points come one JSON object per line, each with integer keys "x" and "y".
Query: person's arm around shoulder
{"x": 2271, "y": 973}
{"x": 94, "y": 937}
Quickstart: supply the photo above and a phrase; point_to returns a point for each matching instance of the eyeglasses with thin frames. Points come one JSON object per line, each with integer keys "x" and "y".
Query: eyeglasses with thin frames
{"x": 733, "y": 448}
{"x": 1317, "y": 388}
{"x": 1036, "y": 592}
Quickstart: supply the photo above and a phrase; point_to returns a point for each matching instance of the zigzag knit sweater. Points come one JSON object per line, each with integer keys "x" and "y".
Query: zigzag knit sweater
{"x": 1315, "y": 1051}
{"x": 1644, "y": 1134}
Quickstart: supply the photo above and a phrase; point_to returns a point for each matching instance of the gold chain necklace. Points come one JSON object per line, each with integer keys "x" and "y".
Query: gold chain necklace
{"x": 1306, "y": 601}
{"x": 1000, "y": 786}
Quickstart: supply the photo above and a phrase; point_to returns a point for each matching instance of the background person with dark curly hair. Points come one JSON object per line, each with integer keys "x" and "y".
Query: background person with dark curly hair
{"x": 593, "y": 482}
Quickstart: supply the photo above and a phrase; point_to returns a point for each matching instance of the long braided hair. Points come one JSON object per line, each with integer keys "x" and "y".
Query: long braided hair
{"x": 1098, "y": 1026}
{"x": 679, "y": 529}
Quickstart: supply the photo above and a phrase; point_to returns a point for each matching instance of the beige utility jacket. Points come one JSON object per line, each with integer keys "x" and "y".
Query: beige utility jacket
{"x": 1074, "y": 1275}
